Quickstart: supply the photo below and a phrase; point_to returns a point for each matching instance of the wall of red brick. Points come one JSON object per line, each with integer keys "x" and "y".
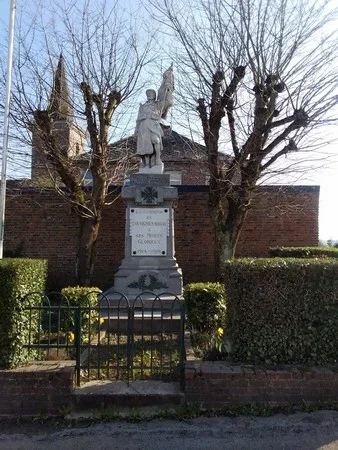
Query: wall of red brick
{"x": 215, "y": 384}
{"x": 39, "y": 225}
{"x": 280, "y": 217}
{"x": 41, "y": 389}
{"x": 47, "y": 388}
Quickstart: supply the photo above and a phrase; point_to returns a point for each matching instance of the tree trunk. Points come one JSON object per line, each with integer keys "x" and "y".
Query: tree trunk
{"x": 89, "y": 229}
{"x": 228, "y": 223}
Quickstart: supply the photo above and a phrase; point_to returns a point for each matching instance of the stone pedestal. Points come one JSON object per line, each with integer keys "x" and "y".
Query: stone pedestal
{"x": 149, "y": 263}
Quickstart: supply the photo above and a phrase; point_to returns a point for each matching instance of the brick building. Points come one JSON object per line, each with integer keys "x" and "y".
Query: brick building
{"x": 40, "y": 225}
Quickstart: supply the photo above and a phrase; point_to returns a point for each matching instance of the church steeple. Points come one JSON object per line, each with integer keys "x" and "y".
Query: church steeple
{"x": 59, "y": 103}
{"x": 69, "y": 137}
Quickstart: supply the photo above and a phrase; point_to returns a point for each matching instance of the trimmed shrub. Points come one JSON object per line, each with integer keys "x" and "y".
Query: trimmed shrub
{"x": 87, "y": 298}
{"x": 81, "y": 295}
{"x": 18, "y": 277}
{"x": 205, "y": 306}
{"x": 282, "y": 311}
{"x": 304, "y": 252}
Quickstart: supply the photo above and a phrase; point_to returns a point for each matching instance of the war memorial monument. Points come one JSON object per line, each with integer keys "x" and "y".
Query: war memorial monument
{"x": 149, "y": 263}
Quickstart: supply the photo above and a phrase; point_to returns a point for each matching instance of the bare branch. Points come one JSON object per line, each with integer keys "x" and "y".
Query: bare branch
{"x": 285, "y": 87}
{"x": 57, "y": 109}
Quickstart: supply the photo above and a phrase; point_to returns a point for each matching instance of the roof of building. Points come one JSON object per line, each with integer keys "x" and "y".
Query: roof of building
{"x": 176, "y": 148}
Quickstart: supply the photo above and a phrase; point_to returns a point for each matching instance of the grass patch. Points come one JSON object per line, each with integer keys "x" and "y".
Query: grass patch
{"x": 137, "y": 357}
{"x": 110, "y": 356}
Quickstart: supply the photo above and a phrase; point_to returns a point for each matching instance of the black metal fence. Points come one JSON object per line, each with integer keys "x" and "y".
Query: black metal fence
{"x": 117, "y": 339}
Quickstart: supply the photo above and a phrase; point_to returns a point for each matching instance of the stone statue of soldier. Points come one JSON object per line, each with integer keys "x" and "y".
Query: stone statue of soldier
{"x": 148, "y": 128}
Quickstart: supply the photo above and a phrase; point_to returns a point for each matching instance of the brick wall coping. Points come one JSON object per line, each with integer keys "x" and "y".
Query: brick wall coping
{"x": 275, "y": 188}
{"x": 40, "y": 366}
{"x": 15, "y": 186}
{"x": 226, "y": 370}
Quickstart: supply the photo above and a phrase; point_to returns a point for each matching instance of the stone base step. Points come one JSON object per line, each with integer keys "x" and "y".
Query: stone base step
{"x": 103, "y": 396}
{"x": 142, "y": 322}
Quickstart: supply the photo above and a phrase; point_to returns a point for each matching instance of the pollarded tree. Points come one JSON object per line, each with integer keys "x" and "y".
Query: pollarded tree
{"x": 261, "y": 75}
{"x": 102, "y": 58}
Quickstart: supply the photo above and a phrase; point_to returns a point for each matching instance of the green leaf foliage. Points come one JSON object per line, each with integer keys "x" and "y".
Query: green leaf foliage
{"x": 81, "y": 295}
{"x": 18, "y": 277}
{"x": 86, "y": 297}
{"x": 282, "y": 311}
{"x": 304, "y": 252}
{"x": 205, "y": 306}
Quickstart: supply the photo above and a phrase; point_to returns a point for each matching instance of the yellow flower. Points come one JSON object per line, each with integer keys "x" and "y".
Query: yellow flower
{"x": 220, "y": 331}
{"x": 101, "y": 320}
{"x": 71, "y": 336}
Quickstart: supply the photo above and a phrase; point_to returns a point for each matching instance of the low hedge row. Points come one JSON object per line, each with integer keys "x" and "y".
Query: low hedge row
{"x": 18, "y": 277}
{"x": 205, "y": 306}
{"x": 81, "y": 295}
{"x": 86, "y": 297}
{"x": 282, "y": 311}
{"x": 304, "y": 252}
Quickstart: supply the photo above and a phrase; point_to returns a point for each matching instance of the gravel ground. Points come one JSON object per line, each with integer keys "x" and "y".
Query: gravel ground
{"x": 316, "y": 430}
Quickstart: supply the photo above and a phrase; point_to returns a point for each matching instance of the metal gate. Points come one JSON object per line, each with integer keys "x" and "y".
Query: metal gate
{"x": 118, "y": 339}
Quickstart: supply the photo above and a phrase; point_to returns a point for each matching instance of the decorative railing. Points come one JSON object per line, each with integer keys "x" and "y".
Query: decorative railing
{"x": 116, "y": 339}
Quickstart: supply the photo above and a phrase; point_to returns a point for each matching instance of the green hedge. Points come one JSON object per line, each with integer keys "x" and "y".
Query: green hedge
{"x": 282, "y": 311}
{"x": 81, "y": 295}
{"x": 304, "y": 252}
{"x": 18, "y": 277}
{"x": 85, "y": 297}
{"x": 205, "y": 306}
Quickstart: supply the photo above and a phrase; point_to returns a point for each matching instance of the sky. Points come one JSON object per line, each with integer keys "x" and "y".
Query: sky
{"x": 326, "y": 176}
{"x": 327, "y": 179}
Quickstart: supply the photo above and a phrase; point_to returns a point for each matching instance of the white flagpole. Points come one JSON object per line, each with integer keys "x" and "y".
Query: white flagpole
{"x": 6, "y": 124}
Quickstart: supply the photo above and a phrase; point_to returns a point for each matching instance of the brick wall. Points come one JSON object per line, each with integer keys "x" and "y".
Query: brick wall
{"x": 285, "y": 216}
{"x": 214, "y": 384}
{"x": 47, "y": 388}
{"x": 39, "y": 225}
{"x": 43, "y": 388}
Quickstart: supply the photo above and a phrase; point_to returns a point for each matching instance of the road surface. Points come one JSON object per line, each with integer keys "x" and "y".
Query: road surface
{"x": 308, "y": 431}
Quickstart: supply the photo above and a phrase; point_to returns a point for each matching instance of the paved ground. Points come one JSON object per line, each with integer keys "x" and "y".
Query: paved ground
{"x": 308, "y": 431}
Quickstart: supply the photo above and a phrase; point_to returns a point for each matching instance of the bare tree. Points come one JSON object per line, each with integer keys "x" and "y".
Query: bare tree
{"x": 261, "y": 76}
{"x": 102, "y": 55}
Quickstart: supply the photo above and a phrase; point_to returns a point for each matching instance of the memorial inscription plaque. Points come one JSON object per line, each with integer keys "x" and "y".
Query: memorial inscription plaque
{"x": 149, "y": 229}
